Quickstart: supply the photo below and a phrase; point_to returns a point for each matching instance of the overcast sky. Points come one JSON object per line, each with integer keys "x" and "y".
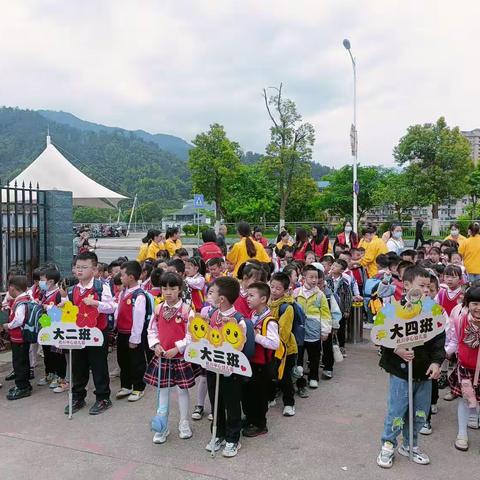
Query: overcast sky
{"x": 177, "y": 66}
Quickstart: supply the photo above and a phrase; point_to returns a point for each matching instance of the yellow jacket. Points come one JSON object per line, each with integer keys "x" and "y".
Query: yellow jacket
{"x": 460, "y": 239}
{"x": 285, "y": 323}
{"x": 171, "y": 247}
{"x": 154, "y": 248}
{"x": 470, "y": 250}
{"x": 238, "y": 254}
{"x": 280, "y": 245}
{"x": 142, "y": 252}
{"x": 373, "y": 249}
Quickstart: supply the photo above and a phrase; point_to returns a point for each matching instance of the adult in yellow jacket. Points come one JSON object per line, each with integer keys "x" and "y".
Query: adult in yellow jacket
{"x": 143, "y": 252}
{"x": 374, "y": 246}
{"x": 455, "y": 234}
{"x": 470, "y": 250}
{"x": 156, "y": 246}
{"x": 246, "y": 249}
{"x": 172, "y": 242}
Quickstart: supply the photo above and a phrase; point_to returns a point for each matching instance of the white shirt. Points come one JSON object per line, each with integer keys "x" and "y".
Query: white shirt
{"x": 138, "y": 313}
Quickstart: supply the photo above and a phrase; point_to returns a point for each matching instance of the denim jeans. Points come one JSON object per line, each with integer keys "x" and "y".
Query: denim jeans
{"x": 396, "y": 420}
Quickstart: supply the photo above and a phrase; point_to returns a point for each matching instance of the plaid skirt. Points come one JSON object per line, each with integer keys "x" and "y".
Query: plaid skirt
{"x": 181, "y": 373}
{"x": 455, "y": 382}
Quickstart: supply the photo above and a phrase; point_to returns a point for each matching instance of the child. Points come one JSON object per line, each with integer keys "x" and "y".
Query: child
{"x": 156, "y": 289}
{"x": 464, "y": 342}
{"x": 130, "y": 321}
{"x": 426, "y": 360}
{"x": 358, "y": 272}
{"x": 281, "y": 308}
{"x": 216, "y": 268}
{"x": 292, "y": 272}
{"x": 54, "y": 359}
{"x": 146, "y": 271}
{"x": 168, "y": 337}
{"x": 318, "y": 325}
{"x": 194, "y": 278}
{"x": 327, "y": 262}
{"x": 90, "y": 292}
{"x": 450, "y": 296}
{"x": 267, "y": 340}
{"x": 17, "y": 290}
{"x": 181, "y": 254}
{"x": 35, "y": 291}
{"x": 223, "y": 294}
{"x": 177, "y": 266}
{"x": 434, "y": 255}
{"x": 310, "y": 258}
{"x": 248, "y": 273}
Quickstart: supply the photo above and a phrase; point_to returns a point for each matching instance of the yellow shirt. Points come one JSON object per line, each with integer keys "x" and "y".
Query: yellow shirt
{"x": 280, "y": 245}
{"x": 372, "y": 250}
{"x": 460, "y": 239}
{"x": 171, "y": 247}
{"x": 238, "y": 254}
{"x": 142, "y": 253}
{"x": 154, "y": 248}
{"x": 470, "y": 250}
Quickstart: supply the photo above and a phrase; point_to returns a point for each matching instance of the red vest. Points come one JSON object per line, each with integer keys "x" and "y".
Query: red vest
{"x": 36, "y": 292}
{"x": 320, "y": 249}
{"x": 16, "y": 333}
{"x": 445, "y": 301}
{"x": 173, "y": 330}
{"x": 299, "y": 253}
{"x": 198, "y": 299}
{"x": 78, "y": 298}
{"x": 125, "y": 313}
{"x": 341, "y": 239}
{"x": 48, "y": 298}
{"x": 210, "y": 250}
{"x": 262, "y": 355}
{"x": 467, "y": 356}
{"x": 242, "y": 307}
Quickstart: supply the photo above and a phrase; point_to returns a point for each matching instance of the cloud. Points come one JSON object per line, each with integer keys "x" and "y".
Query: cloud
{"x": 178, "y": 66}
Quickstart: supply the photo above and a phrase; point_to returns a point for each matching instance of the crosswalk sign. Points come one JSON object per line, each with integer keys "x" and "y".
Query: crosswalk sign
{"x": 198, "y": 200}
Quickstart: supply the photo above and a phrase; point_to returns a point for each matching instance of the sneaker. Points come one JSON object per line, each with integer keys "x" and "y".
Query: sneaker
{"x": 136, "y": 395}
{"x": 302, "y": 392}
{"x": 54, "y": 382}
{"x": 313, "y": 383}
{"x": 11, "y": 376}
{"x": 184, "y": 430}
{"x": 219, "y": 443}
{"x": 343, "y": 351}
{"x": 297, "y": 372}
{"x": 434, "y": 408}
{"x": 231, "y": 449}
{"x": 418, "y": 456}
{"x": 160, "y": 438}
{"x": 210, "y": 417}
{"x": 461, "y": 443}
{"x": 473, "y": 421}
{"x": 76, "y": 406}
{"x": 122, "y": 393}
{"x": 327, "y": 375}
{"x": 18, "y": 393}
{"x": 63, "y": 386}
{"x": 443, "y": 380}
{"x": 100, "y": 406}
{"x": 426, "y": 429}
{"x": 253, "y": 431}
{"x": 32, "y": 374}
{"x": 288, "y": 411}
{"x": 272, "y": 403}
{"x": 385, "y": 457}
{"x": 197, "y": 412}
{"x": 449, "y": 397}
{"x": 45, "y": 380}
{"x": 115, "y": 372}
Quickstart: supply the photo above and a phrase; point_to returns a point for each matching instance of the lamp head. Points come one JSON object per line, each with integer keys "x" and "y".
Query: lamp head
{"x": 346, "y": 44}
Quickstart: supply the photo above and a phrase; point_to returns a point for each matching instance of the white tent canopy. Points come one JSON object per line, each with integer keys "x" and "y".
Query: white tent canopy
{"x": 52, "y": 171}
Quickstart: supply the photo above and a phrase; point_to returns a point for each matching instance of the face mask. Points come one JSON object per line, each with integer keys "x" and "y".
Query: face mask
{"x": 397, "y": 235}
{"x": 348, "y": 229}
{"x": 42, "y": 284}
{"x": 454, "y": 233}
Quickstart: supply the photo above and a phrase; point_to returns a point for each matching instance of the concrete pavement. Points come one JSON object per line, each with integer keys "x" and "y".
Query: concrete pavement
{"x": 335, "y": 435}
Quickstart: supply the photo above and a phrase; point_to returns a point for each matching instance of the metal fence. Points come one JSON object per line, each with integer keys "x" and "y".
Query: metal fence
{"x": 23, "y": 229}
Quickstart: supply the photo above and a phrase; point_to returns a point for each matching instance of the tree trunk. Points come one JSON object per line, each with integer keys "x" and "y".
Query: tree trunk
{"x": 435, "y": 221}
{"x": 283, "y": 207}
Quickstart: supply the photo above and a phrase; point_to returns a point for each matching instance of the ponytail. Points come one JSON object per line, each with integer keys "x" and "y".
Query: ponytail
{"x": 151, "y": 234}
{"x": 244, "y": 230}
{"x": 251, "y": 249}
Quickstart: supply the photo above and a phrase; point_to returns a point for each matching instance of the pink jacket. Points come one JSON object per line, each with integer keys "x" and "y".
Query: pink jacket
{"x": 452, "y": 330}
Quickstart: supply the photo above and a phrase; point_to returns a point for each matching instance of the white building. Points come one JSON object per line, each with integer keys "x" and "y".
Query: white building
{"x": 474, "y": 138}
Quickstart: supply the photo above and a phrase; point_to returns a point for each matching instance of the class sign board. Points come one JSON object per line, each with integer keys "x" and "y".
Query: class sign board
{"x": 218, "y": 349}
{"x": 408, "y": 325}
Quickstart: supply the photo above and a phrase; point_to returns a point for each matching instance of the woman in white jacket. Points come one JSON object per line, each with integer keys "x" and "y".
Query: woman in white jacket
{"x": 395, "y": 243}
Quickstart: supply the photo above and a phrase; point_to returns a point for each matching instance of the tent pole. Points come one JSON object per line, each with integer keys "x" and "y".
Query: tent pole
{"x": 131, "y": 214}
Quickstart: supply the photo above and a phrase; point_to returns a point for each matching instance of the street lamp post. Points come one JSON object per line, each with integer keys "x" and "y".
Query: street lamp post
{"x": 354, "y": 139}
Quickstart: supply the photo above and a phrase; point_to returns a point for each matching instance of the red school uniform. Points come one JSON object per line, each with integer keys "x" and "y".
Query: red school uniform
{"x": 449, "y": 299}
{"x": 77, "y": 299}
{"x": 16, "y": 335}
{"x": 241, "y": 305}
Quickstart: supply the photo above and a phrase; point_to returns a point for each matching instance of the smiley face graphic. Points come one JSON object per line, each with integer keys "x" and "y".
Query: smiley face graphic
{"x": 198, "y": 329}
{"x": 233, "y": 334}
{"x": 215, "y": 337}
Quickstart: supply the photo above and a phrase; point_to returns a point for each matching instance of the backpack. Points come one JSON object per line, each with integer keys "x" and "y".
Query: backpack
{"x": 299, "y": 318}
{"x": 149, "y": 304}
{"x": 372, "y": 302}
{"x": 31, "y": 326}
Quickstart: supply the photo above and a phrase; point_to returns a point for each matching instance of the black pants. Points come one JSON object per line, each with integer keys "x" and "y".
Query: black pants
{"x": 327, "y": 353}
{"x": 255, "y": 396}
{"x": 55, "y": 362}
{"x": 313, "y": 350}
{"x": 94, "y": 359}
{"x": 286, "y": 383}
{"x": 149, "y": 353}
{"x": 131, "y": 362}
{"x": 21, "y": 364}
{"x": 418, "y": 240}
{"x": 229, "y": 416}
{"x": 341, "y": 332}
{"x": 435, "y": 397}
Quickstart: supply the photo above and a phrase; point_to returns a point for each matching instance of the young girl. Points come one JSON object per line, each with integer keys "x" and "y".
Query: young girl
{"x": 293, "y": 274}
{"x": 301, "y": 245}
{"x": 147, "y": 269}
{"x": 465, "y": 341}
{"x": 248, "y": 273}
{"x": 168, "y": 337}
{"x": 310, "y": 258}
{"x": 195, "y": 279}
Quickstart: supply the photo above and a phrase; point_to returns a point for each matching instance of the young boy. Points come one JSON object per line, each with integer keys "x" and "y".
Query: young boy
{"x": 267, "y": 340}
{"x": 130, "y": 323}
{"x": 327, "y": 262}
{"x": 426, "y": 360}
{"x": 17, "y": 290}
{"x": 318, "y": 325}
{"x": 281, "y": 308}
{"x": 222, "y": 294}
{"x": 91, "y": 292}
{"x": 216, "y": 268}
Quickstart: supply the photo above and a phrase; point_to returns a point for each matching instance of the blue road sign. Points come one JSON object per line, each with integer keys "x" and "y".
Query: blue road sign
{"x": 198, "y": 200}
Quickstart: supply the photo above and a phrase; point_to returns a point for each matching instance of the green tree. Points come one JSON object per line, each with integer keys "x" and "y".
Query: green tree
{"x": 438, "y": 163}
{"x": 93, "y": 215}
{"x": 290, "y": 147}
{"x": 395, "y": 189}
{"x": 337, "y": 197}
{"x": 213, "y": 162}
{"x": 473, "y": 190}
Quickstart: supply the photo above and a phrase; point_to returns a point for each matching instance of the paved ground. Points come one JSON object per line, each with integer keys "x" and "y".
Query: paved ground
{"x": 333, "y": 436}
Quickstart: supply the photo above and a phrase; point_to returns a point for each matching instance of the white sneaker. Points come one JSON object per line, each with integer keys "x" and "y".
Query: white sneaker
{"x": 122, "y": 393}
{"x": 160, "y": 438}
{"x": 385, "y": 457}
{"x": 115, "y": 372}
{"x": 231, "y": 449}
{"x": 434, "y": 408}
{"x": 473, "y": 421}
{"x": 43, "y": 381}
{"x": 135, "y": 395}
{"x": 313, "y": 383}
{"x": 418, "y": 456}
{"x": 289, "y": 411}
{"x": 184, "y": 429}
{"x": 63, "y": 386}
{"x": 426, "y": 429}
{"x": 219, "y": 443}
{"x": 54, "y": 382}
{"x": 210, "y": 417}
{"x": 272, "y": 403}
